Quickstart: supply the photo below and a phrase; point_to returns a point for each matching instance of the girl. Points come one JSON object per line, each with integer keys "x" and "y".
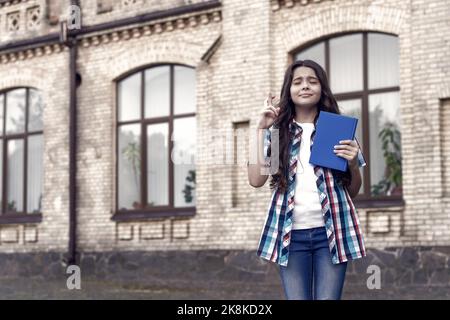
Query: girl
{"x": 312, "y": 227}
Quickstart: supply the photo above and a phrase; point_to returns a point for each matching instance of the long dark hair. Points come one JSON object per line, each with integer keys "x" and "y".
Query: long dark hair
{"x": 327, "y": 103}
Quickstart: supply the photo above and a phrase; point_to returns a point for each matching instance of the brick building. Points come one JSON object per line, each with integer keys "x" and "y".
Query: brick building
{"x": 76, "y": 110}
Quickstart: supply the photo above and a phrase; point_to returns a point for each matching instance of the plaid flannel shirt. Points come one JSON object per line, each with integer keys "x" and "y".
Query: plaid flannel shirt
{"x": 342, "y": 224}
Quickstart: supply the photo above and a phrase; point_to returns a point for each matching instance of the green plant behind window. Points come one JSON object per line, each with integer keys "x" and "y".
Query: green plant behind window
{"x": 189, "y": 187}
{"x": 390, "y": 137}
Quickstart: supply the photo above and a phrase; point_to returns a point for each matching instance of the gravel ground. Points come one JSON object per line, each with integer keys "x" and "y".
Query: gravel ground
{"x": 93, "y": 289}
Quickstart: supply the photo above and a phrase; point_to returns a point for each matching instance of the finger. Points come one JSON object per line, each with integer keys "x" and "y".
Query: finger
{"x": 346, "y": 153}
{"x": 274, "y": 110}
{"x": 348, "y": 142}
{"x": 270, "y": 113}
{"x": 268, "y": 102}
{"x": 271, "y": 108}
{"x": 277, "y": 102}
{"x": 344, "y": 156}
{"x": 345, "y": 147}
{"x": 266, "y": 108}
{"x": 350, "y": 153}
{"x": 272, "y": 101}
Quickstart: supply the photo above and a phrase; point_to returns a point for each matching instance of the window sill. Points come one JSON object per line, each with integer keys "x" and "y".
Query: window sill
{"x": 20, "y": 218}
{"x": 381, "y": 202}
{"x": 139, "y": 215}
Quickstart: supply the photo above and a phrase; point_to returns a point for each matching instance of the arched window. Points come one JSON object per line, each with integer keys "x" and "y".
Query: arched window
{"x": 21, "y": 158}
{"x": 363, "y": 71}
{"x": 156, "y": 134}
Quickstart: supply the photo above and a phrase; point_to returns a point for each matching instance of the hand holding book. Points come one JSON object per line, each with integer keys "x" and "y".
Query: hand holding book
{"x": 335, "y": 130}
{"x": 348, "y": 149}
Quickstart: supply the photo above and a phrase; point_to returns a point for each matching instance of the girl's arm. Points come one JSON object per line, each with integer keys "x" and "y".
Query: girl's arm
{"x": 255, "y": 178}
{"x": 356, "y": 181}
{"x": 349, "y": 149}
{"x": 257, "y": 173}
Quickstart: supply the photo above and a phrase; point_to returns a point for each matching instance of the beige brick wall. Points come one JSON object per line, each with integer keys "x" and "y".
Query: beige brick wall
{"x": 256, "y": 39}
{"x": 99, "y": 66}
{"x": 445, "y": 146}
{"x": 119, "y": 9}
{"x": 31, "y": 18}
{"x": 40, "y": 17}
{"x": 430, "y": 73}
{"x": 45, "y": 70}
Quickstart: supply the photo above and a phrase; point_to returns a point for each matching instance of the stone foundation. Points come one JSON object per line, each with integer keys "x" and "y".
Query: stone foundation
{"x": 406, "y": 273}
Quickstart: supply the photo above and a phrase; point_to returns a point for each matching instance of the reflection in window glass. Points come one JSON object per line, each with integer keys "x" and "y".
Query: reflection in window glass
{"x": 15, "y": 111}
{"x": 158, "y": 164}
{"x": 36, "y": 107}
{"x": 184, "y": 90}
{"x": 315, "y": 53}
{"x": 35, "y": 173}
{"x": 183, "y": 156}
{"x": 129, "y": 161}
{"x": 384, "y": 120}
{"x": 383, "y": 61}
{"x": 15, "y": 175}
{"x": 346, "y": 68}
{"x": 157, "y": 92}
{"x": 130, "y": 98}
{"x": 352, "y": 108}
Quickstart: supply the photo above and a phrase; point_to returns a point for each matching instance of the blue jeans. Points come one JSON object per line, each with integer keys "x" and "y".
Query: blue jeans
{"x": 310, "y": 274}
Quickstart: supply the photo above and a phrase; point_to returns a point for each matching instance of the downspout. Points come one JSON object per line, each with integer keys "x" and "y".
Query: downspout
{"x": 71, "y": 43}
{"x": 72, "y": 258}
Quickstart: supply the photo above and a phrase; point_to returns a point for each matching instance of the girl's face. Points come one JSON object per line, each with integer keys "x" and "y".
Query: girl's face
{"x": 305, "y": 87}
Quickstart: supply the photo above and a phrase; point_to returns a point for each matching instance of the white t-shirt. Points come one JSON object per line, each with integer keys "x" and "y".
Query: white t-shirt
{"x": 307, "y": 210}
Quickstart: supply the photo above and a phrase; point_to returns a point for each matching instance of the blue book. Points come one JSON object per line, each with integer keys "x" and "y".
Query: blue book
{"x": 330, "y": 129}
